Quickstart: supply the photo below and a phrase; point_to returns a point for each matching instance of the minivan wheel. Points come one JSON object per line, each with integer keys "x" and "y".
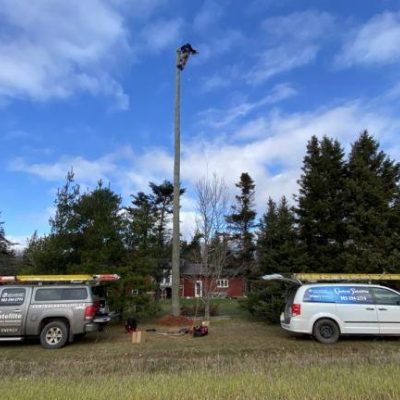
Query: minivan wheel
{"x": 326, "y": 331}
{"x": 54, "y": 335}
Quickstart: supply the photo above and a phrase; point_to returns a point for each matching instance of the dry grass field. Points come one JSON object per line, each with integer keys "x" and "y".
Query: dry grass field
{"x": 240, "y": 359}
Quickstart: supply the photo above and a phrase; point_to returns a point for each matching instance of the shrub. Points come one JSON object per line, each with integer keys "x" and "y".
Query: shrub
{"x": 267, "y": 302}
{"x": 142, "y": 305}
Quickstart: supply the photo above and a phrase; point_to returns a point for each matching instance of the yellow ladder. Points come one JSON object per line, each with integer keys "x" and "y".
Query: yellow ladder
{"x": 74, "y": 278}
{"x": 346, "y": 277}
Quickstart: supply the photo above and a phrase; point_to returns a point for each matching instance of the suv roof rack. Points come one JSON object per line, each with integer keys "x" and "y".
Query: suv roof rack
{"x": 77, "y": 278}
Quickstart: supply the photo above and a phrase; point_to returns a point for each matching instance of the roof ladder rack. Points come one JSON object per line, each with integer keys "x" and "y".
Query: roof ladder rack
{"x": 77, "y": 278}
{"x": 346, "y": 277}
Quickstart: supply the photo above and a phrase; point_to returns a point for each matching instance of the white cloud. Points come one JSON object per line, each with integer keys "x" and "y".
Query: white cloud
{"x": 220, "y": 118}
{"x": 161, "y": 34}
{"x": 289, "y": 42}
{"x": 301, "y": 26}
{"x": 218, "y": 45}
{"x": 52, "y": 50}
{"x": 88, "y": 171}
{"x": 271, "y": 153}
{"x": 216, "y": 81}
{"x": 374, "y": 43}
{"x": 208, "y": 15}
{"x": 19, "y": 243}
{"x": 281, "y": 59}
{"x": 271, "y": 147}
{"x": 141, "y": 9}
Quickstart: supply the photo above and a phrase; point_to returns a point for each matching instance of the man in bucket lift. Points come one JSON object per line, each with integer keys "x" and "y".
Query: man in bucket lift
{"x": 184, "y": 53}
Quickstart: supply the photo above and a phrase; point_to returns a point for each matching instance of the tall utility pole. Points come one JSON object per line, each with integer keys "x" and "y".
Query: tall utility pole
{"x": 177, "y": 166}
{"x": 182, "y": 56}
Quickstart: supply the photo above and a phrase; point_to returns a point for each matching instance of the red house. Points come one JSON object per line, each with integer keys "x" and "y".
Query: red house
{"x": 197, "y": 282}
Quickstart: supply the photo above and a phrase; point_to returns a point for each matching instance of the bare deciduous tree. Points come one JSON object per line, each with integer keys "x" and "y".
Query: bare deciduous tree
{"x": 212, "y": 207}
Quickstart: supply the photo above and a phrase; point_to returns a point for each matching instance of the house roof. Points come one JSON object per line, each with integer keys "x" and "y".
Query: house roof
{"x": 192, "y": 269}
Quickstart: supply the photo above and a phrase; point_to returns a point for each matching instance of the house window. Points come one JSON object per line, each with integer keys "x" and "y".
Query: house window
{"x": 167, "y": 280}
{"x": 222, "y": 283}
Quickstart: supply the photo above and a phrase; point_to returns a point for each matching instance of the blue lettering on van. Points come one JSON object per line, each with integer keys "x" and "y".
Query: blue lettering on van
{"x": 338, "y": 294}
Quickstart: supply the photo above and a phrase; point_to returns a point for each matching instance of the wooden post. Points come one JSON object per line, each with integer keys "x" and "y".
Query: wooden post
{"x": 138, "y": 337}
{"x": 176, "y": 234}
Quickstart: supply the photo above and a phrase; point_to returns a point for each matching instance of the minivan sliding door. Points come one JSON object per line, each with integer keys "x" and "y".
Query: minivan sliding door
{"x": 355, "y": 307}
{"x": 388, "y": 306}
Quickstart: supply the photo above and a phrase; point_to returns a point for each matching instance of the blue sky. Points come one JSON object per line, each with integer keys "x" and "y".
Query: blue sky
{"x": 90, "y": 85}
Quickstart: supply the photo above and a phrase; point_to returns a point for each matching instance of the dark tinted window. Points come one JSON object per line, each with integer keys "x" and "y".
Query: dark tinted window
{"x": 99, "y": 291}
{"x": 384, "y": 296}
{"x": 12, "y": 297}
{"x": 55, "y": 294}
{"x": 338, "y": 294}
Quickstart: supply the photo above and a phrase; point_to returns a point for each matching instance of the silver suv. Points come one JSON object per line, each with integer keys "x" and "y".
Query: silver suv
{"x": 54, "y": 313}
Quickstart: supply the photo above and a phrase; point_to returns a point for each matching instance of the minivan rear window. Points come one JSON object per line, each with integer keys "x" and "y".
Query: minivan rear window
{"x": 56, "y": 294}
{"x": 339, "y": 294}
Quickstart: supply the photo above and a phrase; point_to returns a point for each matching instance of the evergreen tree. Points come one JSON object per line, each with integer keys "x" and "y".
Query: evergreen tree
{"x": 65, "y": 201}
{"x": 242, "y": 220}
{"x": 372, "y": 209}
{"x": 44, "y": 255}
{"x": 148, "y": 235}
{"x": 99, "y": 227}
{"x": 142, "y": 219}
{"x": 7, "y": 259}
{"x": 320, "y": 208}
{"x": 60, "y": 246}
{"x": 278, "y": 248}
{"x": 162, "y": 198}
{"x": 86, "y": 234}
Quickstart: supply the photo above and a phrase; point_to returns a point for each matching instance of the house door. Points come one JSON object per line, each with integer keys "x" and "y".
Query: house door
{"x": 198, "y": 289}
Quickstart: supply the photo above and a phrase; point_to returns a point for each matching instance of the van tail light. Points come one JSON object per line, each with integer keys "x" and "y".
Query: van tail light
{"x": 296, "y": 310}
{"x": 90, "y": 311}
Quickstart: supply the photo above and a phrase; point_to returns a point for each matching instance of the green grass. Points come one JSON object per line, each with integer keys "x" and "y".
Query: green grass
{"x": 239, "y": 359}
{"x": 364, "y": 382}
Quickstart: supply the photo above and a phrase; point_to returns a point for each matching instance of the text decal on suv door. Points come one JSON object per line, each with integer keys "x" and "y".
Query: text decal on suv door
{"x": 338, "y": 294}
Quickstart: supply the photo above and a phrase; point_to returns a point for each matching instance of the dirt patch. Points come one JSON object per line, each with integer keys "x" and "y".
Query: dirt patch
{"x": 172, "y": 320}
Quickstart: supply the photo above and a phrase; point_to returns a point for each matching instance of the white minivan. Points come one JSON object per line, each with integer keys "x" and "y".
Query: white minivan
{"x": 328, "y": 310}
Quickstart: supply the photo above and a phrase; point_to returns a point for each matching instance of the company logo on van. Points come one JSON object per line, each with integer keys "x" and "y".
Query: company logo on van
{"x": 338, "y": 294}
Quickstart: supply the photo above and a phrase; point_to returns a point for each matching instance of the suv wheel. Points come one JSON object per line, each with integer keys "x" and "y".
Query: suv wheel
{"x": 326, "y": 331}
{"x": 54, "y": 335}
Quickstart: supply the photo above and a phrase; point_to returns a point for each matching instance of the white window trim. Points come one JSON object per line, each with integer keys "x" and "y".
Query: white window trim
{"x": 222, "y": 283}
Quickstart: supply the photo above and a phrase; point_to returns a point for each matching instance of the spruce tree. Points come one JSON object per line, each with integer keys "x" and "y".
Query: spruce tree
{"x": 266, "y": 240}
{"x": 63, "y": 240}
{"x": 278, "y": 248}
{"x": 100, "y": 231}
{"x": 141, "y": 233}
{"x": 372, "y": 209}
{"x": 162, "y": 197}
{"x": 242, "y": 220}
{"x": 7, "y": 260}
{"x": 320, "y": 205}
